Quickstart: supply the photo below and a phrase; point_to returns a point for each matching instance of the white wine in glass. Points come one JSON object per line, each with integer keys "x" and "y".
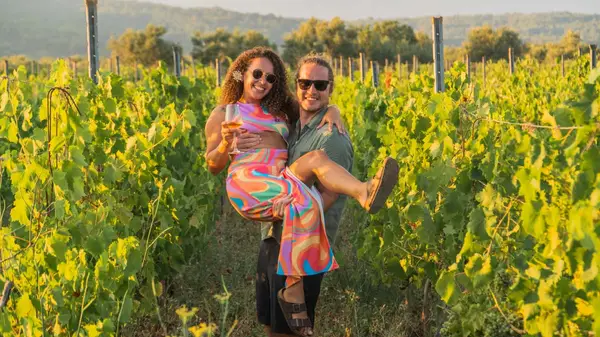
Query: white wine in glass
{"x": 233, "y": 121}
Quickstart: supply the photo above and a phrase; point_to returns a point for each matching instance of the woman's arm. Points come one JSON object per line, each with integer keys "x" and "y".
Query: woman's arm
{"x": 218, "y": 140}
{"x": 333, "y": 117}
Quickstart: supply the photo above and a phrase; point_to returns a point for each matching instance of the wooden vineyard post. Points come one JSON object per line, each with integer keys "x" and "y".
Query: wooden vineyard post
{"x": 511, "y": 60}
{"x": 593, "y": 57}
{"x": 350, "y": 69}
{"x": 374, "y": 74}
{"x": 118, "y": 65}
{"x": 92, "y": 37}
{"x": 438, "y": 53}
{"x": 399, "y": 61}
{"x": 483, "y": 68}
{"x": 415, "y": 64}
{"x": 468, "y": 65}
{"x": 137, "y": 72}
{"x": 341, "y": 65}
{"x": 176, "y": 63}
{"x": 193, "y": 66}
{"x": 218, "y": 71}
{"x": 361, "y": 61}
{"x": 562, "y": 64}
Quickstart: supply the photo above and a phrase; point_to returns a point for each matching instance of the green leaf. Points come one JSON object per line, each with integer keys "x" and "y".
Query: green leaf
{"x": 20, "y": 212}
{"x": 60, "y": 179}
{"x": 126, "y": 309}
{"x": 59, "y": 249}
{"x": 5, "y": 326}
{"x": 479, "y": 270}
{"x": 25, "y": 307}
{"x": 110, "y": 106}
{"x": 476, "y": 223}
{"x": 58, "y": 297}
{"x": 94, "y": 245}
{"x": 134, "y": 262}
{"x": 59, "y": 209}
{"x": 13, "y": 133}
{"x": 415, "y": 213}
{"x": 427, "y": 230}
{"x": 78, "y": 188}
{"x": 446, "y": 287}
{"x": 190, "y": 117}
{"x": 57, "y": 144}
{"x": 582, "y": 188}
{"x": 77, "y": 155}
{"x": 533, "y": 220}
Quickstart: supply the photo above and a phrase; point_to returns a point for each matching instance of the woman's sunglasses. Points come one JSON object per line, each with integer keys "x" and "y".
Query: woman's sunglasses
{"x": 257, "y": 74}
{"x": 320, "y": 85}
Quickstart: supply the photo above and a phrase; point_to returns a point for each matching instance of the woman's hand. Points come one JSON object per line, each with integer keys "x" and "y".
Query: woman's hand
{"x": 333, "y": 117}
{"x": 227, "y": 134}
{"x": 280, "y": 205}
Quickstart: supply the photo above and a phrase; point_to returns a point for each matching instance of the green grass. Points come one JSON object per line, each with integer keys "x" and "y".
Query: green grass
{"x": 351, "y": 303}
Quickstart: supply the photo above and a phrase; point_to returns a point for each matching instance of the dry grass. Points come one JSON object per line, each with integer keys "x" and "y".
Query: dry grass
{"x": 350, "y": 304}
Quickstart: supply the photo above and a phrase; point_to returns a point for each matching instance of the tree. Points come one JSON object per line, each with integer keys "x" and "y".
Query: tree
{"x": 568, "y": 46}
{"x": 226, "y": 46}
{"x": 484, "y": 41}
{"x": 481, "y": 42}
{"x": 144, "y": 47}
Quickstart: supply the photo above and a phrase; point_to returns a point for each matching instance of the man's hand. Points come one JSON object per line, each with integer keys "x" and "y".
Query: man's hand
{"x": 280, "y": 205}
{"x": 247, "y": 141}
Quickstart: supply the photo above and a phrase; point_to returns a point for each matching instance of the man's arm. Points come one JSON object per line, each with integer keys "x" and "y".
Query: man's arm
{"x": 339, "y": 149}
{"x": 328, "y": 197}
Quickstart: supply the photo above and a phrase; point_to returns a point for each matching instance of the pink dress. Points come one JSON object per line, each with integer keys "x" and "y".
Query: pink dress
{"x": 257, "y": 177}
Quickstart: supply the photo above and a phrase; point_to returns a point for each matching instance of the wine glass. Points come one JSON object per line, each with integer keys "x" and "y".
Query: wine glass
{"x": 234, "y": 121}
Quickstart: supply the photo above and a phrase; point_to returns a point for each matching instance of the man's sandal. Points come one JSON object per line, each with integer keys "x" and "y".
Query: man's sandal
{"x": 381, "y": 185}
{"x": 288, "y": 309}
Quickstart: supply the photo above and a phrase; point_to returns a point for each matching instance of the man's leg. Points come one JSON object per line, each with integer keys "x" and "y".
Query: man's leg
{"x": 311, "y": 287}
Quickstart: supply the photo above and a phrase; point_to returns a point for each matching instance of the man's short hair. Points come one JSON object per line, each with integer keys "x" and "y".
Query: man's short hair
{"x": 318, "y": 60}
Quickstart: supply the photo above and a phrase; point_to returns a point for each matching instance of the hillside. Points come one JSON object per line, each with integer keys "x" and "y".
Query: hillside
{"x": 56, "y": 28}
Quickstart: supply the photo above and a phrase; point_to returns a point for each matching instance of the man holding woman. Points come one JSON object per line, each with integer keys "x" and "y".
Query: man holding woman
{"x": 295, "y": 253}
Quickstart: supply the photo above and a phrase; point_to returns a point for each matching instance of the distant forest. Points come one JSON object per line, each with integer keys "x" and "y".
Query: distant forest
{"x": 56, "y": 28}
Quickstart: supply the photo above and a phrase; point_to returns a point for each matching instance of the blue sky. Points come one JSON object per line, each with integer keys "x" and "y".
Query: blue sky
{"x": 351, "y": 9}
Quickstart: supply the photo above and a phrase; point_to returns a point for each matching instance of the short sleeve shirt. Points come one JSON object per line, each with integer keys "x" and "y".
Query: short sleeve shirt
{"x": 338, "y": 148}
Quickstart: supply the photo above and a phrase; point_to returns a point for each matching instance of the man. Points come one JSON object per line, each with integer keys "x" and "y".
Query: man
{"x": 314, "y": 86}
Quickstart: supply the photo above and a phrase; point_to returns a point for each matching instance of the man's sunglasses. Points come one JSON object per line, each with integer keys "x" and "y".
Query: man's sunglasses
{"x": 258, "y": 74}
{"x": 320, "y": 85}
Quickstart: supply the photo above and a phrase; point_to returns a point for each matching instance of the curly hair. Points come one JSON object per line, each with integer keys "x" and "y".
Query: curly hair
{"x": 279, "y": 101}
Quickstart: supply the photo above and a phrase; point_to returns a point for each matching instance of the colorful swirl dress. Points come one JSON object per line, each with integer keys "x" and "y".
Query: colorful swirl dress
{"x": 258, "y": 177}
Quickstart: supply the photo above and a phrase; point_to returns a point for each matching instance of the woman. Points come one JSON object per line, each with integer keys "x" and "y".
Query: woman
{"x": 256, "y": 88}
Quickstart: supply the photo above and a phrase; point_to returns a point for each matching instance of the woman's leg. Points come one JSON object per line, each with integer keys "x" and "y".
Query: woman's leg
{"x": 316, "y": 165}
{"x": 371, "y": 195}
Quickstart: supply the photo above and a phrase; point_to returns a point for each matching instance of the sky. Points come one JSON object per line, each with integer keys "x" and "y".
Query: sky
{"x": 351, "y": 9}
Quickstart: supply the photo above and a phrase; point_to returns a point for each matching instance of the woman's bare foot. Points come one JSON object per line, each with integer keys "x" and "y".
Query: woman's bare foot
{"x": 295, "y": 294}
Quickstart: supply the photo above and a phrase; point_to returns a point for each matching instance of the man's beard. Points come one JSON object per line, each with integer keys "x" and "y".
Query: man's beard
{"x": 313, "y": 110}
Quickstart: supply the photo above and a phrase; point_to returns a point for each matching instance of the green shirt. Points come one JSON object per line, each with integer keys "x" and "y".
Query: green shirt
{"x": 339, "y": 149}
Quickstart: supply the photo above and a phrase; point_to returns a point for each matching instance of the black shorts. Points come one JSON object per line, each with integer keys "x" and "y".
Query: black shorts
{"x": 268, "y": 284}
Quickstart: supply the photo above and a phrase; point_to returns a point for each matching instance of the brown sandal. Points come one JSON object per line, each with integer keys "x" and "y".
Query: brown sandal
{"x": 382, "y": 185}
{"x": 295, "y": 324}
